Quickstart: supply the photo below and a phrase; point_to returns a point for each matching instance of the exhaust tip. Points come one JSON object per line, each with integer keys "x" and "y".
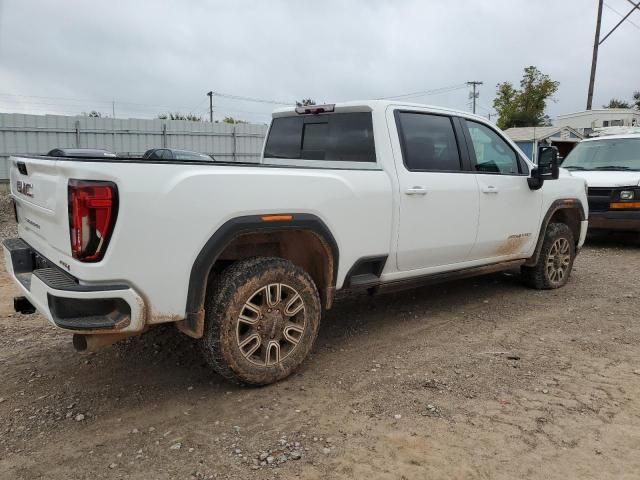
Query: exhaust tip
{"x": 79, "y": 342}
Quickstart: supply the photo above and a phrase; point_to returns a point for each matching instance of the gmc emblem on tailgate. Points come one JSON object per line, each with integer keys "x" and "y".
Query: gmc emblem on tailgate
{"x": 25, "y": 188}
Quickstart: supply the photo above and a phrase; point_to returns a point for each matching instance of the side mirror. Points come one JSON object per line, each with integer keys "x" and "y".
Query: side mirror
{"x": 547, "y": 168}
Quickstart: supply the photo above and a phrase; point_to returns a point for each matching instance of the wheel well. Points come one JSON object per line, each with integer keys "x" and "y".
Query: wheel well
{"x": 560, "y": 212}
{"x": 571, "y": 218}
{"x": 304, "y": 248}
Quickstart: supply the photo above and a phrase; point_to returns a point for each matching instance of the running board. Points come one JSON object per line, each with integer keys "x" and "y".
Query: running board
{"x": 365, "y": 280}
{"x": 405, "y": 283}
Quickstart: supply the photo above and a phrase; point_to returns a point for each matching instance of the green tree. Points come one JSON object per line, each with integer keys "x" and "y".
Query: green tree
{"x": 525, "y": 107}
{"x": 180, "y": 116}
{"x": 232, "y": 120}
{"x": 615, "y": 103}
{"x": 636, "y": 99}
{"x": 305, "y": 102}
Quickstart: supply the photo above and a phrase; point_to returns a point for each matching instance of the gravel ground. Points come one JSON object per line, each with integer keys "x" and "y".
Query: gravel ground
{"x": 7, "y": 223}
{"x": 480, "y": 378}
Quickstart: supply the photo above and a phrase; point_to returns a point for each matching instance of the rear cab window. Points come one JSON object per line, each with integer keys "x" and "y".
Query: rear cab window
{"x": 332, "y": 140}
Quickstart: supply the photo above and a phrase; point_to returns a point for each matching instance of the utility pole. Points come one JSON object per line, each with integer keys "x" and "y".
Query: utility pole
{"x": 210, "y": 94}
{"x": 597, "y": 42}
{"x": 474, "y": 95}
{"x": 113, "y": 108}
{"x": 594, "y": 58}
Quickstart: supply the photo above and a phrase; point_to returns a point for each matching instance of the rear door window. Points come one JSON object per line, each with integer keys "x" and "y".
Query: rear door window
{"x": 342, "y": 137}
{"x": 428, "y": 142}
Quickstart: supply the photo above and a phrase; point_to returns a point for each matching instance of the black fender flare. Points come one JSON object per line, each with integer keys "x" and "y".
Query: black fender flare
{"x": 193, "y": 324}
{"x": 560, "y": 204}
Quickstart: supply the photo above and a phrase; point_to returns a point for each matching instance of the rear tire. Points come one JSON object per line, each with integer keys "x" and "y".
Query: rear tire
{"x": 555, "y": 260}
{"x": 262, "y": 319}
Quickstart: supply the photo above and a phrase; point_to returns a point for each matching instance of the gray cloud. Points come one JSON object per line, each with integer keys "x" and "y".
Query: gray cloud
{"x": 153, "y": 56}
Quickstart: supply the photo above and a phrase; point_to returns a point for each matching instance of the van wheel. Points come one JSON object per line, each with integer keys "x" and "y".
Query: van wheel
{"x": 261, "y": 320}
{"x": 555, "y": 261}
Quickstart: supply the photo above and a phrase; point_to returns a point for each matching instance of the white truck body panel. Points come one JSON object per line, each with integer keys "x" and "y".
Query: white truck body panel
{"x": 169, "y": 217}
{"x": 167, "y": 212}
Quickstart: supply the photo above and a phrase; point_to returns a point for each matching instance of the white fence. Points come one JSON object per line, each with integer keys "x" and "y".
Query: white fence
{"x": 37, "y": 134}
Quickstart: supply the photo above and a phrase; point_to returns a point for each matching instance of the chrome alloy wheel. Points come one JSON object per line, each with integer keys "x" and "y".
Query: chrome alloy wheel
{"x": 271, "y": 324}
{"x": 558, "y": 260}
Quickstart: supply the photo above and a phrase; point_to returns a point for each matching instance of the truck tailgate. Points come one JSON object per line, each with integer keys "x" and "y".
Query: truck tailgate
{"x": 40, "y": 191}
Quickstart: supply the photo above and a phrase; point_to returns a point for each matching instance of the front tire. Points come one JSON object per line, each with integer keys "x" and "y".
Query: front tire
{"x": 555, "y": 261}
{"x": 262, "y": 319}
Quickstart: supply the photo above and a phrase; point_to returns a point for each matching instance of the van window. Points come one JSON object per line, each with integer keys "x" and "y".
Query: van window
{"x": 606, "y": 154}
{"x": 346, "y": 137}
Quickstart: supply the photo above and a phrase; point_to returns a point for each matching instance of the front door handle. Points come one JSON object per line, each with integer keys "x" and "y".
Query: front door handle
{"x": 490, "y": 189}
{"x": 415, "y": 191}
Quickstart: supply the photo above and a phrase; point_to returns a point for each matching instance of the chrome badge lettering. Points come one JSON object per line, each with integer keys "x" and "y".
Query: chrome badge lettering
{"x": 32, "y": 223}
{"x": 24, "y": 188}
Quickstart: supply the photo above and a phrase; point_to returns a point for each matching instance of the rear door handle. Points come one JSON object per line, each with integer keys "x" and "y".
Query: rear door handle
{"x": 490, "y": 189}
{"x": 415, "y": 191}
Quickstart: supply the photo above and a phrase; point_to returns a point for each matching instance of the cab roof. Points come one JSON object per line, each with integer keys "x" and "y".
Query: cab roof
{"x": 371, "y": 105}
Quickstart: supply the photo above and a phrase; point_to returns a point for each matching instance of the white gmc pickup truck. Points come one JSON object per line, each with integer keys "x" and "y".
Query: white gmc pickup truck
{"x": 372, "y": 195}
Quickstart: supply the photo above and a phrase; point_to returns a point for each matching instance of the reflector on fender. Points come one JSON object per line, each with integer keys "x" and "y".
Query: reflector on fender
{"x": 93, "y": 207}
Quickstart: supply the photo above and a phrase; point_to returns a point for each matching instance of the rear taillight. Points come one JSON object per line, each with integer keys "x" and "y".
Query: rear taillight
{"x": 93, "y": 207}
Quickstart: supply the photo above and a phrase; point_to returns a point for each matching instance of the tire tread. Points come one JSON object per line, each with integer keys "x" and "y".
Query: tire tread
{"x": 535, "y": 276}
{"x": 219, "y": 297}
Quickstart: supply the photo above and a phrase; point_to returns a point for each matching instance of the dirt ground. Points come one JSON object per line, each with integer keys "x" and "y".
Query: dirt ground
{"x": 479, "y": 379}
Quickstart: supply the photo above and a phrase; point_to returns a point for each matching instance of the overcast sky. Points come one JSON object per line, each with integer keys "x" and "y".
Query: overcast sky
{"x": 68, "y": 56}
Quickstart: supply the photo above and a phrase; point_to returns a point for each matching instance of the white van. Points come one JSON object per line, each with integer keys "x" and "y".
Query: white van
{"x": 611, "y": 167}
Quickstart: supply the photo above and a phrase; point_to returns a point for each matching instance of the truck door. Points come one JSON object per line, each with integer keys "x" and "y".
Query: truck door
{"x": 509, "y": 209}
{"x": 438, "y": 200}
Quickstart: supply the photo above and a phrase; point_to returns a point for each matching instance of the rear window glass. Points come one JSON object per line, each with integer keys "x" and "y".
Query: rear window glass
{"x": 346, "y": 137}
{"x": 192, "y": 156}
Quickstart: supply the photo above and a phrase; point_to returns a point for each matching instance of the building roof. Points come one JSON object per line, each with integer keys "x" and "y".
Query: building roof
{"x": 529, "y": 134}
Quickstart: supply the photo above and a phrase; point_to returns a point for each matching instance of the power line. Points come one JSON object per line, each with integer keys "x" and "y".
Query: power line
{"x": 41, "y": 102}
{"x": 251, "y": 99}
{"x": 225, "y": 111}
{"x": 80, "y": 102}
{"x": 425, "y": 93}
{"x": 635, "y": 7}
{"x": 621, "y": 15}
